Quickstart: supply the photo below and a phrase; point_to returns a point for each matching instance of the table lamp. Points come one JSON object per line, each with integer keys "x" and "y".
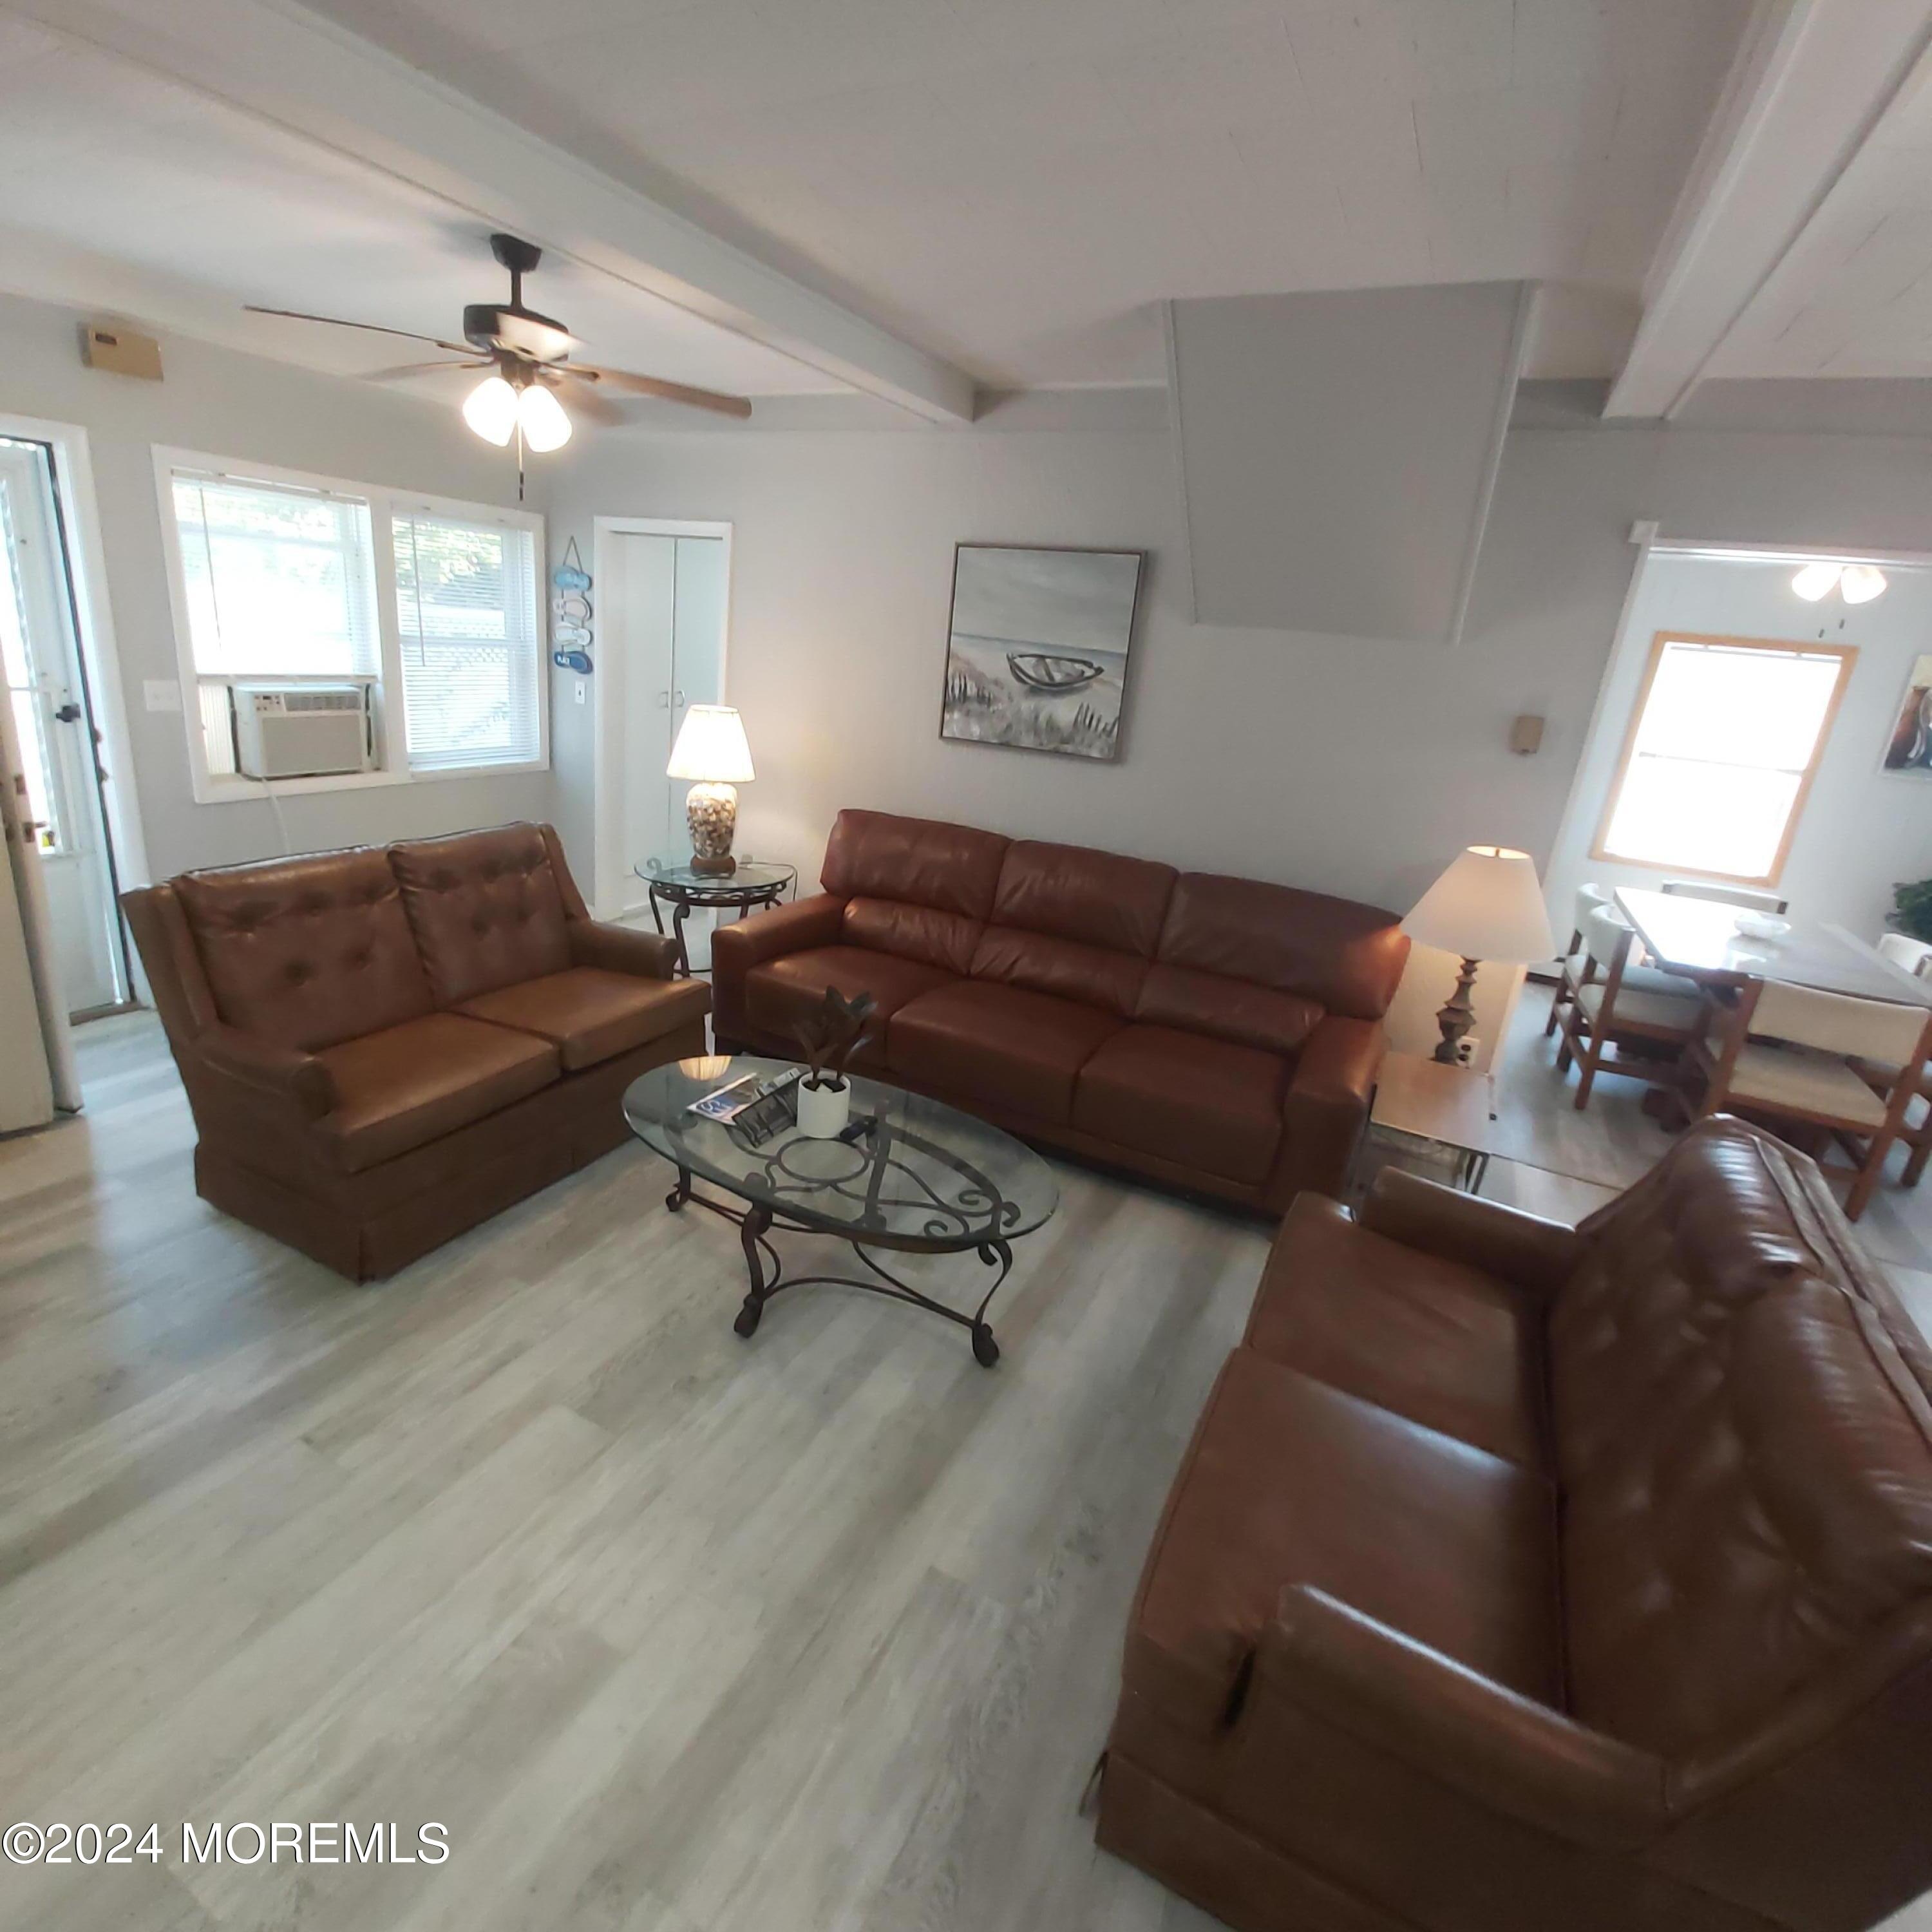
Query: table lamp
{"x": 711, "y": 749}
{"x": 1488, "y": 905}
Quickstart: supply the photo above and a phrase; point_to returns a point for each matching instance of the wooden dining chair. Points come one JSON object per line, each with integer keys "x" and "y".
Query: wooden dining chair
{"x": 1570, "y": 968}
{"x": 1621, "y": 1007}
{"x": 1849, "y": 1067}
{"x": 1752, "y": 897}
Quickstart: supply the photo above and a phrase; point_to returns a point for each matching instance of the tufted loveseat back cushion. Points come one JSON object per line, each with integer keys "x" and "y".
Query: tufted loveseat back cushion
{"x": 1743, "y": 1444}
{"x": 308, "y": 951}
{"x": 486, "y": 908}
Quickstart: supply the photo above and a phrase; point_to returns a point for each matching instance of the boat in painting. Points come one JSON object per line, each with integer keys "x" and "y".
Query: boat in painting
{"x": 1050, "y": 672}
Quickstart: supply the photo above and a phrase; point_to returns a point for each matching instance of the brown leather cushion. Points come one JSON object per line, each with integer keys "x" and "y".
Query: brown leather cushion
{"x": 1445, "y": 1344}
{"x": 1092, "y": 974}
{"x": 1072, "y": 891}
{"x": 1200, "y": 1103}
{"x": 943, "y": 939}
{"x": 1019, "y": 1051}
{"x": 485, "y": 907}
{"x": 782, "y": 992}
{"x": 921, "y": 861}
{"x": 1744, "y": 1444}
{"x": 409, "y": 1085}
{"x": 1230, "y": 1010}
{"x": 589, "y": 1015}
{"x": 1290, "y": 1481}
{"x": 1348, "y": 959}
{"x": 306, "y": 952}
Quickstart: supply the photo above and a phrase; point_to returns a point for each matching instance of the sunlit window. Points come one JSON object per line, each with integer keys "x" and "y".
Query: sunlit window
{"x": 1726, "y": 736}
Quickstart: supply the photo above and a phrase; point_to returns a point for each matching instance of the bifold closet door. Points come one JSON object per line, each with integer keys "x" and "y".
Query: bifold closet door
{"x": 37, "y": 1066}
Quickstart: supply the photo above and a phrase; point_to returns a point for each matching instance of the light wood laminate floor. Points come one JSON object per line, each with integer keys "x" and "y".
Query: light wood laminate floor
{"x": 675, "y": 1633}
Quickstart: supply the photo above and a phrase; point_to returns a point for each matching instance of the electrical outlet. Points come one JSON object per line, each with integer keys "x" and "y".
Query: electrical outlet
{"x": 1466, "y": 1050}
{"x": 580, "y": 690}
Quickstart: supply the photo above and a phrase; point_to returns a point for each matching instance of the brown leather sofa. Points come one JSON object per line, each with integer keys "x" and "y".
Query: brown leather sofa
{"x": 384, "y": 1046}
{"x": 1216, "y": 1033}
{"x": 1520, "y": 1578}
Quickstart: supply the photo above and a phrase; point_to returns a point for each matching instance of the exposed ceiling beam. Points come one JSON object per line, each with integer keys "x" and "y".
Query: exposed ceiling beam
{"x": 276, "y": 60}
{"x": 1812, "y": 79}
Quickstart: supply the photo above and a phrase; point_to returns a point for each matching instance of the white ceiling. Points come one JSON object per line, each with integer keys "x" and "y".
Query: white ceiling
{"x": 1012, "y": 182}
{"x": 803, "y": 197}
{"x": 120, "y": 186}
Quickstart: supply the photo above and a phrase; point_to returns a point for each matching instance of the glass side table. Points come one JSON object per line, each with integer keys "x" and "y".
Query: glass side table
{"x": 1434, "y": 1119}
{"x": 756, "y": 884}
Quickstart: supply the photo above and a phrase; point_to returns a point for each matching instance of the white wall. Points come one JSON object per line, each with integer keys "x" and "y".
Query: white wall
{"x": 1863, "y": 829}
{"x": 1350, "y": 766}
{"x": 228, "y": 404}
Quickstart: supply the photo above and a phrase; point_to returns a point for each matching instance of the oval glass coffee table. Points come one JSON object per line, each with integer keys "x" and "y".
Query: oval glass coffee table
{"x": 916, "y": 1177}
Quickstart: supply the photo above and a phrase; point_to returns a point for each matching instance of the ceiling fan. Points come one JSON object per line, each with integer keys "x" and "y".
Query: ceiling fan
{"x": 528, "y": 355}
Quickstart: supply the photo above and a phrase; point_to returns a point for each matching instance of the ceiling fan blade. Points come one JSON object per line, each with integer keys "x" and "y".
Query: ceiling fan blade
{"x": 374, "y": 328}
{"x": 583, "y": 397}
{"x": 669, "y": 392}
{"x": 402, "y": 369}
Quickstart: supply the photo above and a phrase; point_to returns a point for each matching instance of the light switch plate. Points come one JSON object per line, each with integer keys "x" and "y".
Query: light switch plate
{"x": 160, "y": 694}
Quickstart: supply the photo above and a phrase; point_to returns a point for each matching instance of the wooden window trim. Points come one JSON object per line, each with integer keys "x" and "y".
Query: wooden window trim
{"x": 1847, "y": 656}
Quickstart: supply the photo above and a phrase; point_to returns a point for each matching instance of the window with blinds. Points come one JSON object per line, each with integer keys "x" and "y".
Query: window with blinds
{"x": 466, "y": 620}
{"x": 287, "y": 578}
{"x": 279, "y": 582}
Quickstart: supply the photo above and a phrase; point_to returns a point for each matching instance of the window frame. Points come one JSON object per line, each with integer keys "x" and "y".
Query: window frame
{"x": 1847, "y": 657}
{"x": 391, "y": 721}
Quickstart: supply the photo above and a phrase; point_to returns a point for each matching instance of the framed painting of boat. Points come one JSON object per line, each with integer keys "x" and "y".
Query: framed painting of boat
{"x": 1036, "y": 657}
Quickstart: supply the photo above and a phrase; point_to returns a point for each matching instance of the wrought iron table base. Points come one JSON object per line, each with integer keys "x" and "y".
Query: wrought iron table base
{"x": 762, "y": 1262}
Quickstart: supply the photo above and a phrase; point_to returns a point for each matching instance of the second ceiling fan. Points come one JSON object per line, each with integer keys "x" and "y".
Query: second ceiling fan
{"x": 528, "y": 355}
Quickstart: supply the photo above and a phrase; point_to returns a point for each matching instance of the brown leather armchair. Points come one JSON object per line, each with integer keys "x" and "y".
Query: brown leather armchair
{"x": 1217, "y": 1033}
{"x": 383, "y": 1047}
{"x": 1520, "y": 1577}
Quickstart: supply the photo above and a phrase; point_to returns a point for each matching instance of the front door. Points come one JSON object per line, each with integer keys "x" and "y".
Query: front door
{"x": 47, "y": 692}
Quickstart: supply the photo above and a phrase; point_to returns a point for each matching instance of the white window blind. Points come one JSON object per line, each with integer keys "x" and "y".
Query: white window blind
{"x": 278, "y": 580}
{"x": 471, "y": 649}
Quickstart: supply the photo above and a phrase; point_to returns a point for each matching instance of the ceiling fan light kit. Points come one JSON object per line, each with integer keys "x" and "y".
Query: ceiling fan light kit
{"x": 528, "y": 357}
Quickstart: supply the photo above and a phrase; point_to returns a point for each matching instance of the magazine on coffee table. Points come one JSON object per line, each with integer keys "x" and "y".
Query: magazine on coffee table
{"x": 727, "y": 1102}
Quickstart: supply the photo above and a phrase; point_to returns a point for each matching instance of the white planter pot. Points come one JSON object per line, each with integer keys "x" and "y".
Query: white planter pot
{"x": 823, "y": 1111}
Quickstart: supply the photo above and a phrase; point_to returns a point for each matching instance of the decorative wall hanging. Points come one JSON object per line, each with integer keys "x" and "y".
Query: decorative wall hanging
{"x": 570, "y": 613}
{"x": 1037, "y": 655}
{"x": 1909, "y": 747}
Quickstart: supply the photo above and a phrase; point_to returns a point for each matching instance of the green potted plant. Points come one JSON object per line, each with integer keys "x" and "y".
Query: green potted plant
{"x": 827, "y": 1040}
{"x": 1912, "y": 909}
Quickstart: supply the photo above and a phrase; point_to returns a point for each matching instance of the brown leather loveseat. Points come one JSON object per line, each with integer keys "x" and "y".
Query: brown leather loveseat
{"x": 384, "y": 1046}
{"x": 1521, "y": 1578}
{"x": 1216, "y": 1033}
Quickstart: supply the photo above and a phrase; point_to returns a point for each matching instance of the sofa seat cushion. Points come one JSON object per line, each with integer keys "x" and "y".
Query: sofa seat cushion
{"x": 411, "y": 1083}
{"x": 1001, "y": 1045}
{"x": 1439, "y": 1342}
{"x": 1288, "y": 1480}
{"x": 782, "y": 992}
{"x": 589, "y": 1015}
{"x": 1200, "y": 1103}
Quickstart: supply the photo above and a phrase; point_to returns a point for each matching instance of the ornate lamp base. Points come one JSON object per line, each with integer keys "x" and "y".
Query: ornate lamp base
{"x": 1457, "y": 1016}
{"x": 711, "y": 811}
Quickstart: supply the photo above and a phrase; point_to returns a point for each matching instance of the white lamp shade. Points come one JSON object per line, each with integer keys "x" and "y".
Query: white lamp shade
{"x": 545, "y": 426}
{"x": 711, "y": 747}
{"x": 1488, "y": 905}
{"x": 491, "y": 410}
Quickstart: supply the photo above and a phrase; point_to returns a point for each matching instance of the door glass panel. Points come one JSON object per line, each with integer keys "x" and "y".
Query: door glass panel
{"x": 24, "y": 692}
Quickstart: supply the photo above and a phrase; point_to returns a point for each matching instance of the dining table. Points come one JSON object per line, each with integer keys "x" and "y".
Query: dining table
{"x": 1700, "y": 940}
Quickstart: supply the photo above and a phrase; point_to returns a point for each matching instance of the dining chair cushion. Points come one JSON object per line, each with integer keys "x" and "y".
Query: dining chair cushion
{"x": 1752, "y": 896}
{"x": 1873, "y": 1030}
{"x": 1589, "y": 899}
{"x": 1912, "y": 954}
{"x": 1668, "y": 1010}
{"x": 1800, "y": 1077}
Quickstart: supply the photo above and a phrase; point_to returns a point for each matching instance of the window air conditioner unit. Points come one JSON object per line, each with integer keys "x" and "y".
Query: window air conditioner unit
{"x": 301, "y": 731}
